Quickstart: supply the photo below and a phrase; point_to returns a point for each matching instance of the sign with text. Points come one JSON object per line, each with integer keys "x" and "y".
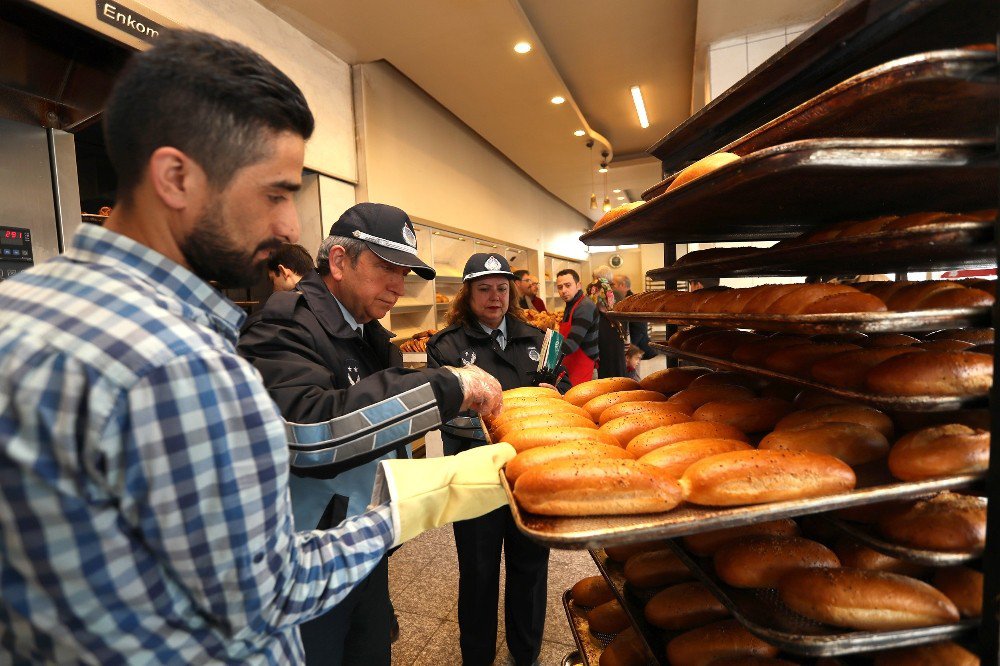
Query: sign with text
{"x": 128, "y": 20}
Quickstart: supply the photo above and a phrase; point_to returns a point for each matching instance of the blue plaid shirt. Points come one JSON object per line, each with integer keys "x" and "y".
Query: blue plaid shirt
{"x": 144, "y": 507}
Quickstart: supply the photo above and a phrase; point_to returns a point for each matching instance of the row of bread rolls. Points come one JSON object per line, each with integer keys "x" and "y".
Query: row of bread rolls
{"x": 802, "y": 299}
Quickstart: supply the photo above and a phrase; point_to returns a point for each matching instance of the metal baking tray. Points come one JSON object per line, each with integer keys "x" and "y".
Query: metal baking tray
{"x": 941, "y": 246}
{"x": 652, "y": 638}
{"x": 932, "y": 558}
{"x": 577, "y": 532}
{"x": 912, "y": 403}
{"x": 907, "y": 97}
{"x": 588, "y": 646}
{"x": 782, "y": 191}
{"x": 764, "y": 615}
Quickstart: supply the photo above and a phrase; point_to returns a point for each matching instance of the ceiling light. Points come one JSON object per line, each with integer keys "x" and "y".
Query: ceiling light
{"x": 617, "y": 191}
{"x": 579, "y": 133}
{"x": 558, "y": 99}
{"x": 640, "y": 106}
{"x": 522, "y": 47}
{"x": 621, "y": 198}
{"x": 602, "y": 170}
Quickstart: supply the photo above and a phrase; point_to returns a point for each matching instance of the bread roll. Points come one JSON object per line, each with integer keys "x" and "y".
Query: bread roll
{"x": 877, "y": 340}
{"x": 856, "y": 555}
{"x": 964, "y": 586}
{"x": 957, "y": 298}
{"x": 728, "y": 379}
{"x": 809, "y": 398}
{"x": 591, "y": 591}
{"x": 753, "y": 353}
{"x": 940, "y": 451}
{"x": 865, "y": 600}
{"x": 691, "y": 399}
{"x": 912, "y": 295}
{"x": 976, "y": 336}
{"x": 764, "y": 298}
{"x": 640, "y": 407}
{"x": 948, "y": 521}
{"x": 935, "y": 654}
{"x": 597, "y": 405}
{"x": 806, "y": 295}
{"x": 671, "y": 380}
{"x": 851, "y": 338}
{"x": 515, "y": 415}
{"x": 676, "y": 340}
{"x": 722, "y": 346}
{"x": 717, "y": 300}
{"x": 693, "y": 342}
{"x": 761, "y": 560}
{"x": 842, "y": 413}
{"x": 583, "y": 393}
{"x": 932, "y": 373}
{"x": 617, "y": 212}
{"x": 684, "y": 606}
{"x": 702, "y": 167}
{"x": 797, "y": 360}
{"x": 529, "y": 438}
{"x": 622, "y": 553}
{"x": 625, "y": 428}
{"x": 675, "y": 458}
{"x": 654, "y": 568}
{"x": 626, "y": 649}
{"x": 849, "y": 369}
{"x": 943, "y": 345}
{"x": 740, "y": 300}
{"x": 596, "y": 487}
{"x": 531, "y": 392}
{"x": 854, "y": 444}
{"x": 708, "y": 543}
{"x": 541, "y": 455}
{"x": 753, "y": 415}
{"x": 522, "y": 402}
{"x": 845, "y": 302}
{"x": 757, "y": 477}
{"x": 648, "y": 442}
{"x": 552, "y": 420}
{"x": 608, "y": 618}
{"x": 705, "y": 645}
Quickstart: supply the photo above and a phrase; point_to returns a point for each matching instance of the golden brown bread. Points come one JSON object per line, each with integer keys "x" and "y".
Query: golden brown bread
{"x": 622, "y": 553}
{"x": 626, "y": 649}
{"x": 932, "y": 373}
{"x": 654, "y": 568}
{"x": 617, "y": 212}
{"x": 964, "y": 586}
{"x": 940, "y": 451}
{"x": 876, "y": 340}
{"x": 845, "y": 302}
{"x": 957, "y": 298}
{"x": 856, "y": 555}
{"x": 625, "y": 428}
{"x": 675, "y": 458}
{"x": 976, "y": 336}
{"x": 722, "y": 346}
{"x": 752, "y": 415}
{"x": 524, "y": 402}
{"x": 529, "y": 438}
{"x": 809, "y": 398}
{"x": 531, "y": 392}
{"x": 551, "y": 420}
{"x": 766, "y": 296}
{"x": 684, "y": 606}
{"x": 797, "y": 300}
{"x": 591, "y": 591}
{"x": 502, "y": 423}
{"x": 849, "y": 369}
{"x": 702, "y": 167}
{"x": 705, "y": 645}
{"x": 639, "y": 407}
{"x": 761, "y": 560}
{"x": 853, "y": 443}
{"x": 596, "y": 487}
{"x": 943, "y": 345}
{"x": 596, "y": 405}
{"x": 581, "y": 394}
{"x": 756, "y": 477}
{"x": 541, "y": 455}
{"x": 681, "y": 432}
{"x": 912, "y": 295}
{"x": 753, "y": 353}
{"x": 948, "y": 521}
{"x": 728, "y": 379}
{"x": 935, "y": 654}
{"x": 848, "y": 338}
{"x": 691, "y": 342}
{"x": 838, "y": 413}
{"x": 691, "y": 399}
{"x": 707, "y": 543}
{"x": 671, "y": 380}
{"x": 677, "y": 339}
{"x": 797, "y": 360}
{"x": 866, "y": 600}
{"x": 608, "y": 618}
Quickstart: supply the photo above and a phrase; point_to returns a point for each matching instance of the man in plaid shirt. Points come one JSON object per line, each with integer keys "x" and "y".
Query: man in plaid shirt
{"x": 144, "y": 507}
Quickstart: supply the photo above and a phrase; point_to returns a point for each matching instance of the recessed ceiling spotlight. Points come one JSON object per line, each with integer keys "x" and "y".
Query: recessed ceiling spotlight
{"x": 558, "y": 99}
{"x": 617, "y": 191}
{"x": 579, "y": 133}
{"x": 621, "y": 198}
{"x": 603, "y": 170}
{"x": 522, "y": 47}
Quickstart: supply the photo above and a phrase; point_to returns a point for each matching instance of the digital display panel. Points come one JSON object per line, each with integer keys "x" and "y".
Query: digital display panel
{"x": 12, "y": 236}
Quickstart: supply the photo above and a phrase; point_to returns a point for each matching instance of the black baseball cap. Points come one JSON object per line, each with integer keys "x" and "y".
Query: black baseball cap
{"x": 483, "y": 264}
{"x": 387, "y": 231}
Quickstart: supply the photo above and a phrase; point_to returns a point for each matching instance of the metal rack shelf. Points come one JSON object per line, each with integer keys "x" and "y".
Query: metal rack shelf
{"x": 613, "y": 573}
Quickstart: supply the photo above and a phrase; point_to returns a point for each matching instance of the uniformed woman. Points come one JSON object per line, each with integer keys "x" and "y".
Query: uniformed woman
{"x": 486, "y": 328}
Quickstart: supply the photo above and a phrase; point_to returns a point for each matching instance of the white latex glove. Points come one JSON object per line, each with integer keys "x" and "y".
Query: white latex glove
{"x": 481, "y": 391}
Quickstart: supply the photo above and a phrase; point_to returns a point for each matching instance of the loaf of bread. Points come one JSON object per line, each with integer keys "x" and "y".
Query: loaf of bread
{"x": 523, "y": 402}
{"x": 757, "y": 477}
{"x": 748, "y": 415}
{"x": 640, "y": 407}
{"x": 865, "y": 600}
{"x": 616, "y": 212}
{"x": 695, "y": 340}
{"x": 706, "y": 544}
{"x": 655, "y": 568}
{"x": 761, "y": 560}
{"x": 943, "y": 345}
{"x": 596, "y": 487}
{"x": 705, "y": 645}
{"x": 681, "y": 432}
{"x": 854, "y": 444}
{"x": 914, "y": 294}
{"x": 608, "y": 618}
{"x": 529, "y": 438}
{"x": 552, "y": 420}
{"x": 542, "y": 455}
{"x": 753, "y": 353}
{"x": 848, "y": 370}
{"x": 940, "y": 451}
{"x": 975, "y": 336}
{"x": 671, "y": 380}
{"x": 722, "y": 345}
{"x": 728, "y": 379}
{"x": 797, "y": 300}
{"x": 591, "y": 591}
{"x": 948, "y": 521}
{"x": 853, "y": 301}
{"x": 583, "y": 393}
{"x": 625, "y": 428}
{"x": 626, "y": 649}
{"x": 531, "y": 392}
{"x": 684, "y": 606}
{"x": 691, "y": 399}
{"x": 674, "y": 459}
{"x": 935, "y": 654}
{"x": 798, "y": 359}
{"x": 856, "y": 555}
{"x": 932, "y": 373}
{"x": 877, "y": 340}
{"x": 678, "y": 339}
{"x": 839, "y": 413}
{"x": 810, "y": 398}
{"x": 964, "y": 586}
{"x": 509, "y": 418}
{"x": 622, "y": 553}
{"x": 702, "y": 167}
{"x": 595, "y": 406}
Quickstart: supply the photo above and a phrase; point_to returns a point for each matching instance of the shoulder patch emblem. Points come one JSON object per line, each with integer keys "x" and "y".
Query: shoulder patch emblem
{"x": 468, "y": 357}
{"x": 533, "y": 353}
{"x": 353, "y": 371}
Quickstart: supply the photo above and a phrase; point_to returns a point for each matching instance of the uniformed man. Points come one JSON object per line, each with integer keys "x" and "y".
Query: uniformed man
{"x": 486, "y": 329}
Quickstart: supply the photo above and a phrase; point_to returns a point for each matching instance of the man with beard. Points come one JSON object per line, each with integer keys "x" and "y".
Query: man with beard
{"x": 144, "y": 506}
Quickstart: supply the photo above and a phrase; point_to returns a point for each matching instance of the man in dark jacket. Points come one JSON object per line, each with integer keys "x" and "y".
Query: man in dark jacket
{"x": 638, "y": 331}
{"x": 323, "y": 355}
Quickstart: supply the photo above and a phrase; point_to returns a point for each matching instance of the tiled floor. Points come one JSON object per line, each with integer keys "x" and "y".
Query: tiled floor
{"x": 423, "y": 584}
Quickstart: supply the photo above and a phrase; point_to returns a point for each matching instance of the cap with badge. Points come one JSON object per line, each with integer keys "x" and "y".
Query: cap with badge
{"x": 483, "y": 264}
{"x": 387, "y": 231}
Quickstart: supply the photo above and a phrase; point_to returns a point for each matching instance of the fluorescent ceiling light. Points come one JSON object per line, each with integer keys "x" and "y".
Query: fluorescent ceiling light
{"x": 627, "y": 247}
{"x": 640, "y": 106}
{"x": 522, "y": 47}
{"x": 617, "y": 191}
{"x": 603, "y": 170}
{"x": 601, "y": 248}
{"x": 621, "y": 198}
{"x": 579, "y": 133}
{"x": 558, "y": 99}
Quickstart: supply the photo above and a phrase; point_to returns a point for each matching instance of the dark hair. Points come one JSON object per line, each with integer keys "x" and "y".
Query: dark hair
{"x": 460, "y": 311}
{"x": 519, "y": 274}
{"x": 293, "y": 257}
{"x": 569, "y": 271}
{"x": 208, "y": 97}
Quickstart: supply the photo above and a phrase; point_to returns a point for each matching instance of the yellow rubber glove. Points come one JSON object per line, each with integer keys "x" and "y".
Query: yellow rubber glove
{"x": 428, "y": 493}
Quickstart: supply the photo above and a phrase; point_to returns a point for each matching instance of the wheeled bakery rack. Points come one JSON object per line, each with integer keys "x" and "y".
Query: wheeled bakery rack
{"x": 881, "y": 107}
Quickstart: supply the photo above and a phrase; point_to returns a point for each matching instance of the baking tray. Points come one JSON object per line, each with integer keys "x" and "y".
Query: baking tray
{"x": 942, "y": 246}
{"x": 932, "y": 558}
{"x": 591, "y": 532}
{"x": 782, "y": 191}
{"x": 652, "y": 638}
{"x": 906, "y": 97}
{"x": 588, "y": 646}
{"x": 764, "y": 615}
{"x": 913, "y": 403}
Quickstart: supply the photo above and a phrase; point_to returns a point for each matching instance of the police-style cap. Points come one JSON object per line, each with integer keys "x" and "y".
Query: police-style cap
{"x": 482, "y": 264}
{"x": 387, "y": 231}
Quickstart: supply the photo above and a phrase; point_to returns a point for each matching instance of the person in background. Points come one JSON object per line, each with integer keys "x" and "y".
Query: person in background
{"x": 638, "y": 331}
{"x": 579, "y": 327}
{"x": 610, "y": 334}
{"x": 486, "y": 329}
{"x": 527, "y": 291}
{"x": 287, "y": 265}
{"x": 702, "y": 283}
{"x": 632, "y": 357}
{"x": 144, "y": 504}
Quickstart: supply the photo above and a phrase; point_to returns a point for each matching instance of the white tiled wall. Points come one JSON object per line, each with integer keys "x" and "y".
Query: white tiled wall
{"x": 731, "y": 59}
